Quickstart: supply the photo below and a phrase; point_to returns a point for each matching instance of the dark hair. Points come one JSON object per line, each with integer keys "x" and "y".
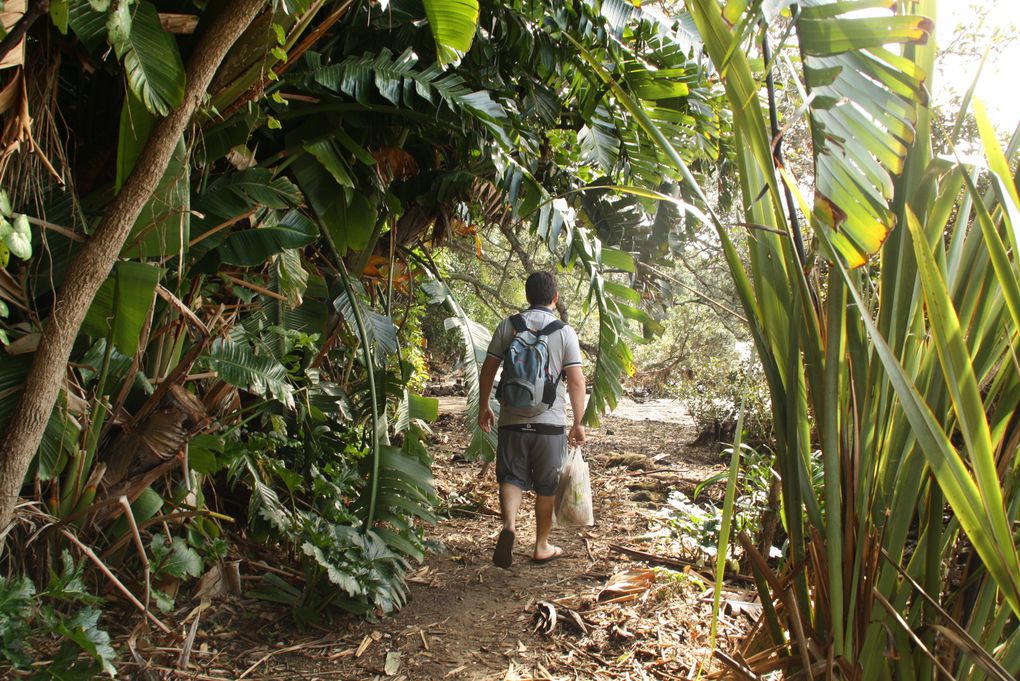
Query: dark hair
{"x": 540, "y": 288}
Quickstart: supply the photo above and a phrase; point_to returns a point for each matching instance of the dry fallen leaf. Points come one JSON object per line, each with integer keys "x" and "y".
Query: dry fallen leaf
{"x": 579, "y": 621}
{"x": 392, "y": 664}
{"x": 627, "y": 585}
{"x": 545, "y": 613}
{"x": 515, "y": 672}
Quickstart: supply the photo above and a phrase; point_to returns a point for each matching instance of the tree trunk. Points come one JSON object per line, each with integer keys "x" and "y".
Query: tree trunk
{"x": 93, "y": 262}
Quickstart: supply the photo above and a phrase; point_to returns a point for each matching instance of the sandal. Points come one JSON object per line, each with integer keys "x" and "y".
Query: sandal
{"x": 503, "y": 555}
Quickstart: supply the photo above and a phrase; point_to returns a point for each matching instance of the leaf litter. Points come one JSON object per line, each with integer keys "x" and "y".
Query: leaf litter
{"x": 597, "y": 613}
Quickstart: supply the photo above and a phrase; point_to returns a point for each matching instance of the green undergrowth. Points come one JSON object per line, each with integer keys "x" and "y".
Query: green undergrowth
{"x": 55, "y": 631}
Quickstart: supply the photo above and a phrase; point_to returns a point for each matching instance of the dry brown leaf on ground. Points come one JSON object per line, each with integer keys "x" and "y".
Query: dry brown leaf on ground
{"x": 392, "y": 664}
{"x": 514, "y": 672}
{"x": 627, "y": 585}
{"x": 545, "y": 613}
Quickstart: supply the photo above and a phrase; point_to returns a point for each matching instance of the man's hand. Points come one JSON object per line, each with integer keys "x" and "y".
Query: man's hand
{"x": 486, "y": 419}
{"x": 575, "y": 388}
{"x": 576, "y": 436}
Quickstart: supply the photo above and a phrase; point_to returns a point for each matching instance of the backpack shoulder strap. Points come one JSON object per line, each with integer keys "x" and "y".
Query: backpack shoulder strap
{"x": 551, "y": 327}
{"x": 518, "y": 323}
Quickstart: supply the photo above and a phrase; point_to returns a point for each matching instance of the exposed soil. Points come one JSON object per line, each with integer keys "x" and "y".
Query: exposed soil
{"x": 468, "y": 619}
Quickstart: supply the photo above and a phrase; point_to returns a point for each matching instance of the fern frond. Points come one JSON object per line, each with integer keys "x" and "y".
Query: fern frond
{"x": 474, "y": 342}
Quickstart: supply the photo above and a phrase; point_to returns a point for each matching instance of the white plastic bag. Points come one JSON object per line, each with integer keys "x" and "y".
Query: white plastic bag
{"x": 573, "y": 493}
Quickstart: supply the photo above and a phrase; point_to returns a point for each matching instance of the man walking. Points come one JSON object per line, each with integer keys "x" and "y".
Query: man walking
{"x": 532, "y": 440}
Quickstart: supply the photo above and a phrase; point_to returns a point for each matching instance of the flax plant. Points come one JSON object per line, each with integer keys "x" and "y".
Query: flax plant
{"x": 893, "y": 334}
{"x": 885, "y": 310}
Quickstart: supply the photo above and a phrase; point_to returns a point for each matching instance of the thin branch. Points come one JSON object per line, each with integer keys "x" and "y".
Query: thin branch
{"x": 223, "y": 225}
{"x": 481, "y": 287}
{"x": 254, "y": 287}
{"x": 116, "y": 582}
{"x": 696, "y": 292}
{"x": 529, "y": 265}
{"x": 63, "y": 231}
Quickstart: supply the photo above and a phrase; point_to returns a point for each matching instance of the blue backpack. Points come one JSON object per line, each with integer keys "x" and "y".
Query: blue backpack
{"x": 527, "y": 387}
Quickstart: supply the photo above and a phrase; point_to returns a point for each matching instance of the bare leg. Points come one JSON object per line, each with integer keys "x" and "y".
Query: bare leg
{"x": 543, "y": 526}
{"x": 510, "y": 497}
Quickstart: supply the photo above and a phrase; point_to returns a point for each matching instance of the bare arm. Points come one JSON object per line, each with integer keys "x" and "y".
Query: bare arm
{"x": 576, "y": 389}
{"x": 486, "y": 418}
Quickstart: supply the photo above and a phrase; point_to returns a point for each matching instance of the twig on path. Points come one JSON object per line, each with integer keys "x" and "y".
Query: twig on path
{"x": 191, "y": 675}
{"x": 318, "y": 674}
{"x": 321, "y": 643}
{"x": 486, "y": 511}
{"x": 598, "y": 658}
{"x": 280, "y": 571}
{"x": 740, "y": 670}
{"x": 644, "y": 472}
{"x": 663, "y": 675}
{"x": 674, "y": 562}
{"x": 189, "y": 642}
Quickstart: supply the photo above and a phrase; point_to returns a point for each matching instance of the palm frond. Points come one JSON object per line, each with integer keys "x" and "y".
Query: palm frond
{"x": 380, "y": 331}
{"x": 151, "y": 60}
{"x": 375, "y": 445}
{"x": 474, "y": 343}
{"x": 239, "y": 366}
{"x": 398, "y": 81}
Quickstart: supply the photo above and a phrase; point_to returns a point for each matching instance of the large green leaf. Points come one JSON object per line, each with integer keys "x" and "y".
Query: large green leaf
{"x": 122, "y": 304}
{"x": 863, "y": 112}
{"x": 415, "y": 407}
{"x": 349, "y": 221}
{"x": 380, "y": 331}
{"x": 474, "y": 341}
{"x": 992, "y": 538}
{"x": 325, "y": 152}
{"x": 598, "y": 141}
{"x": 153, "y": 64}
{"x": 371, "y": 499}
{"x": 249, "y": 247}
{"x": 399, "y": 81}
{"x": 453, "y": 24}
{"x": 238, "y": 192}
{"x": 135, "y": 125}
{"x": 163, "y": 228}
{"x": 86, "y": 23}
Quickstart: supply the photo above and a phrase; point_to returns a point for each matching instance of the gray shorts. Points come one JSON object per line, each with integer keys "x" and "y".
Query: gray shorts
{"x": 530, "y": 460}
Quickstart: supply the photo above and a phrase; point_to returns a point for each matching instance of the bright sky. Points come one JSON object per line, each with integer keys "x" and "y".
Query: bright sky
{"x": 999, "y": 87}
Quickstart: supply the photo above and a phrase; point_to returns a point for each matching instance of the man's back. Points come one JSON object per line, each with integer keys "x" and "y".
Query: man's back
{"x": 564, "y": 351}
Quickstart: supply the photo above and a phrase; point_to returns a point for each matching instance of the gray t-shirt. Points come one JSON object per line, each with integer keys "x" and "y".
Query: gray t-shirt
{"x": 564, "y": 351}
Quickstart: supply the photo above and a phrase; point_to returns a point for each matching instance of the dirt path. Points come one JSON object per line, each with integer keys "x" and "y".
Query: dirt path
{"x": 468, "y": 619}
